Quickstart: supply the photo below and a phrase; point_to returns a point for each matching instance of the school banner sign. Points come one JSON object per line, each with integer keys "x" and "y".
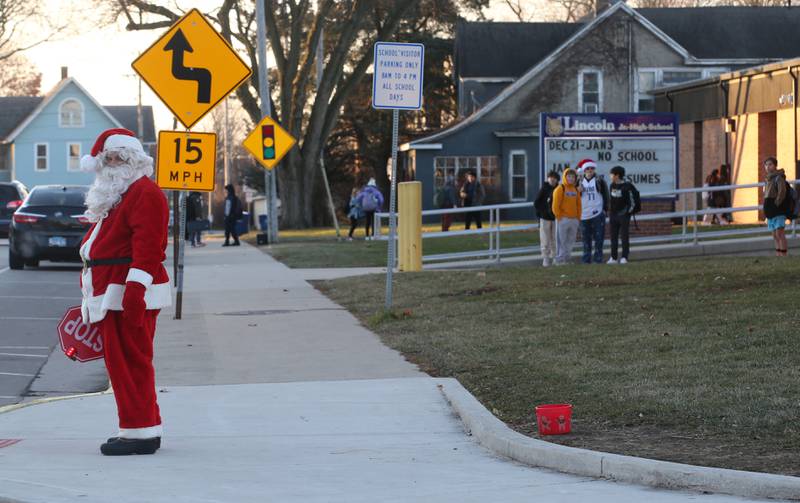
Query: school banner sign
{"x": 646, "y": 145}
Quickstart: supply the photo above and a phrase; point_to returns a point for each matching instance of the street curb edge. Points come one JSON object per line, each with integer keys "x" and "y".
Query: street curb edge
{"x": 493, "y": 434}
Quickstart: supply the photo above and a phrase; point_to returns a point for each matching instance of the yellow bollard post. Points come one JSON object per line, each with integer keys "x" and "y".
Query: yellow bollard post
{"x": 402, "y": 234}
{"x": 410, "y": 215}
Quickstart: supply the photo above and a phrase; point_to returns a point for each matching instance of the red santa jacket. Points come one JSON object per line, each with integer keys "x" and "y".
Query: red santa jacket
{"x": 137, "y": 228}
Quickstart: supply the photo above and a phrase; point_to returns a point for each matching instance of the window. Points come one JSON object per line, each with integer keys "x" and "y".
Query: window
{"x": 653, "y": 78}
{"x": 518, "y": 175}
{"x": 590, "y": 91}
{"x": 672, "y": 77}
{"x": 73, "y": 156}
{"x": 70, "y": 114}
{"x": 647, "y": 82}
{"x": 485, "y": 167}
{"x": 40, "y": 156}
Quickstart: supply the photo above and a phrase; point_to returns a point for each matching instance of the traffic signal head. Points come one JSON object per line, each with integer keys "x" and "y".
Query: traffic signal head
{"x": 268, "y": 142}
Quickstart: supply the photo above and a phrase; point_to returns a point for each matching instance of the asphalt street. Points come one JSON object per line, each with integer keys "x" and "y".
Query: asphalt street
{"x": 32, "y": 302}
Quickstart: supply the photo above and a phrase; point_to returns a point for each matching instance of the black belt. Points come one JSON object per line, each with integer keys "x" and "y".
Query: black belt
{"x": 107, "y": 261}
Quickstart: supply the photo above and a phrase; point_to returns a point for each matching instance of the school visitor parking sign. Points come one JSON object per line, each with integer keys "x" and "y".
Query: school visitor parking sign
{"x": 646, "y": 145}
{"x": 397, "y": 76}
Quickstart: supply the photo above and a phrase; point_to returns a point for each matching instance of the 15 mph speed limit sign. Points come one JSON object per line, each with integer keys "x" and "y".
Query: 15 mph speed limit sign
{"x": 186, "y": 160}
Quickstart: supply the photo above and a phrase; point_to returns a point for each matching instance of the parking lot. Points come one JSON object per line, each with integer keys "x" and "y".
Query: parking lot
{"x": 32, "y": 302}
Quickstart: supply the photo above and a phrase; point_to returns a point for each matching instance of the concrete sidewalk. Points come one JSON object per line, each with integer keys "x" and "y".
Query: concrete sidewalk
{"x": 271, "y": 392}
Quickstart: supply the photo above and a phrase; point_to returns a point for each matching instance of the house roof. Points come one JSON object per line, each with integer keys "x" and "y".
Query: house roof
{"x": 19, "y": 111}
{"x": 731, "y": 32}
{"x": 505, "y": 49}
{"x": 678, "y": 28}
{"x": 15, "y": 110}
{"x": 126, "y": 115}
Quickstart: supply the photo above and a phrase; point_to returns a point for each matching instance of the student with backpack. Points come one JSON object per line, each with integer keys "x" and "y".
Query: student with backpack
{"x": 779, "y": 204}
{"x": 624, "y": 202}
{"x": 547, "y": 220}
{"x": 233, "y": 212}
{"x": 371, "y": 200}
{"x": 354, "y": 212}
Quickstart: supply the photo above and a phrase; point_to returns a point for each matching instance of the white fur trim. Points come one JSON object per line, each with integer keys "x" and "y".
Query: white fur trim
{"x": 90, "y": 164}
{"x": 141, "y": 433}
{"x": 87, "y": 290}
{"x": 122, "y": 141}
{"x": 139, "y": 276}
{"x": 156, "y": 296}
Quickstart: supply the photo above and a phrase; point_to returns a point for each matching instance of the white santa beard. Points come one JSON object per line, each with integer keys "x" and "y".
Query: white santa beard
{"x": 106, "y": 191}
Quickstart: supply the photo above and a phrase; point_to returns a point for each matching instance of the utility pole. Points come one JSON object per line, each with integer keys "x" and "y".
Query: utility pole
{"x": 225, "y": 154}
{"x": 270, "y": 186}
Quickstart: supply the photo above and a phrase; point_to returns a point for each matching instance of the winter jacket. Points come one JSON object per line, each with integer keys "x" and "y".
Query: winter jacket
{"x": 355, "y": 210}
{"x": 472, "y": 194}
{"x": 784, "y": 208}
{"x": 566, "y": 198}
{"x": 370, "y": 189}
{"x": 544, "y": 202}
{"x": 622, "y": 201}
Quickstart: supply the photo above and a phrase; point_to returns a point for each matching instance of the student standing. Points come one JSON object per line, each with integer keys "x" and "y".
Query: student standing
{"x": 622, "y": 204}
{"x": 547, "y": 220}
{"x": 567, "y": 210}
{"x": 594, "y": 203}
{"x": 777, "y": 204}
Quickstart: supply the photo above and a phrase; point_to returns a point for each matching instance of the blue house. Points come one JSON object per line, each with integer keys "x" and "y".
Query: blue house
{"x": 42, "y": 139}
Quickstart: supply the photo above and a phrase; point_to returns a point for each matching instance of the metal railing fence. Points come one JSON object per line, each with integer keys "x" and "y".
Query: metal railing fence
{"x": 689, "y": 236}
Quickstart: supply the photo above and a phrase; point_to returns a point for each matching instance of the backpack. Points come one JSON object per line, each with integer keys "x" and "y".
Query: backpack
{"x": 637, "y": 200}
{"x": 794, "y": 202}
{"x": 439, "y": 197}
{"x": 369, "y": 202}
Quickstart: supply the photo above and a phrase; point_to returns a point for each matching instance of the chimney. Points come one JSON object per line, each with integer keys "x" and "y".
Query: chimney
{"x": 601, "y": 5}
{"x": 64, "y": 72}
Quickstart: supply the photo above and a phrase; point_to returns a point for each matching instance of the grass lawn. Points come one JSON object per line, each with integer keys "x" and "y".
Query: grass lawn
{"x": 692, "y": 361}
{"x": 319, "y": 248}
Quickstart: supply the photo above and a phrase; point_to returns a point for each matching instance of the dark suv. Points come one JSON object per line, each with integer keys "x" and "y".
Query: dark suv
{"x": 11, "y": 196}
{"x": 49, "y": 225}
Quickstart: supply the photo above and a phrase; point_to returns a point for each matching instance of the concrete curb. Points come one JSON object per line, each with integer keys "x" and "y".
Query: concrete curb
{"x": 499, "y": 438}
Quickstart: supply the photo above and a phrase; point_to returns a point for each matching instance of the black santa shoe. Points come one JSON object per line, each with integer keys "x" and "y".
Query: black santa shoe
{"x": 118, "y": 446}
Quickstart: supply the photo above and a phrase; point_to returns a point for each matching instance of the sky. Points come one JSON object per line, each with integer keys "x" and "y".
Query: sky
{"x": 100, "y": 58}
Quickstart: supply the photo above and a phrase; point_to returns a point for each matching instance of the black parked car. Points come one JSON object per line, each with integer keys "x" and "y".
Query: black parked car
{"x": 11, "y": 196}
{"x": 49, "y": 225}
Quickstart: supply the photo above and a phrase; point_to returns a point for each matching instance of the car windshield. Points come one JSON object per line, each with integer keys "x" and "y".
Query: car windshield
{"x": 67, "y": 196}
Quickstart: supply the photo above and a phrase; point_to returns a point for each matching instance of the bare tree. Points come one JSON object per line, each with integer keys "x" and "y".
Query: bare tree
{"x": 294, "y": 27}
{"x": 18, "y": 77}
{"x": 14, "y": 14}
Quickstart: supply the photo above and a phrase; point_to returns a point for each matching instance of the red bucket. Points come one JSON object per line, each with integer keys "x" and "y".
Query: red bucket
{"x": 554, "y": 419}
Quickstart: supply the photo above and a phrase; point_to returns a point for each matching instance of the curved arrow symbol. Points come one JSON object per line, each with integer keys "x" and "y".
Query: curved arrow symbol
{"x": 178, "y": 45}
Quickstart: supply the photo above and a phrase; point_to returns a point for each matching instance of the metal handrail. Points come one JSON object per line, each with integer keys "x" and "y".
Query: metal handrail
{"x": 495, "y": 228}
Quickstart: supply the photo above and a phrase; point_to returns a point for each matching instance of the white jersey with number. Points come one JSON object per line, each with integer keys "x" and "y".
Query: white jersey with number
{"x": 591, "y": 199}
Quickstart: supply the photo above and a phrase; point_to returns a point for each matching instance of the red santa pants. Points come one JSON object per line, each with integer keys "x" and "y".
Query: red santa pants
{"x": 129, "y": 360}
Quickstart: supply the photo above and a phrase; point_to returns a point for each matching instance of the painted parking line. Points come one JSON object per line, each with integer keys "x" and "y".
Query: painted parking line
{"x": 17, "y": 375}
{"x": 24, "y": 347}
{"x": 7, "y": 397}
{"x": 4, "y": 269}
{"x": 23, "y": 355}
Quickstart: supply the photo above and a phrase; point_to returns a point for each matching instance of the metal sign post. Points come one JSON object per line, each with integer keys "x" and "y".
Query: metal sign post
{"x": 396, "y": 85}
{"x": 181, "y": 250}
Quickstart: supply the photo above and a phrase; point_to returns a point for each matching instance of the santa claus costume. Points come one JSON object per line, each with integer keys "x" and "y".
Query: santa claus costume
{"x": 124, "y": 282}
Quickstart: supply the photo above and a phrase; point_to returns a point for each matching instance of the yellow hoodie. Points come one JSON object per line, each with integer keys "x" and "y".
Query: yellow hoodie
{"x": 566, "y": 198}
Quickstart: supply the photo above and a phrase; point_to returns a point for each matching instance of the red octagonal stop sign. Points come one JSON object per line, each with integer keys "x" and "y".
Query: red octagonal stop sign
{"x": 80, "y": 340}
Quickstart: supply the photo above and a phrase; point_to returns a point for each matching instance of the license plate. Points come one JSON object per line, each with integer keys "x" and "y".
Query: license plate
{"x": 57, "y": 241}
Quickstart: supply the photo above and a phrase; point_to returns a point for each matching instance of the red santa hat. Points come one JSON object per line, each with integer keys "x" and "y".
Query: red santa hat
{"x": 110, "y": 139}
{"x": 586, "y": 163}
